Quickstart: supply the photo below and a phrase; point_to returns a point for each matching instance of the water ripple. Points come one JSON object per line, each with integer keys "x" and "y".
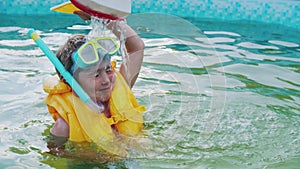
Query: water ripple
{"x": 215, "y": 98}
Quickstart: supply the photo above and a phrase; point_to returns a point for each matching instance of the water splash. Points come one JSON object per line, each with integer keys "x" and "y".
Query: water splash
{"x": 112, "y": 28}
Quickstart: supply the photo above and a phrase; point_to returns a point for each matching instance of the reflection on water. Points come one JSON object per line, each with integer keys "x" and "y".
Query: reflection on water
{"x": 225, "y": 96}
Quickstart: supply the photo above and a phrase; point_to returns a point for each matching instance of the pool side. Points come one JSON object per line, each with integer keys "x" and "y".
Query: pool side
{"x": 269, "y": 11}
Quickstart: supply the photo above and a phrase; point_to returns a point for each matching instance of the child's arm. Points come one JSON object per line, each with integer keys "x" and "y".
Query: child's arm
{"x": 56, "y": 146}
{"x": 135, "y": 48}
{"x": 59, "y": 135}
{"x": 60, "y": 128}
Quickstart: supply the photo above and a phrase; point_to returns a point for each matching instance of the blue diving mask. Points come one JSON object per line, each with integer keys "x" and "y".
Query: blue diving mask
{"x": 94, "y": 51}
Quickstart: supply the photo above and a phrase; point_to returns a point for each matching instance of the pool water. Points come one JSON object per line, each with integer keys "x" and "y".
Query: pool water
{"x": 218, "y": 94}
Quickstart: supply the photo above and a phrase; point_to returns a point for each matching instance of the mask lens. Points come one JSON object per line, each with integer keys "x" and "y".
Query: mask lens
{"x": 88, "y": 54}
{"x": 109, "y": 45}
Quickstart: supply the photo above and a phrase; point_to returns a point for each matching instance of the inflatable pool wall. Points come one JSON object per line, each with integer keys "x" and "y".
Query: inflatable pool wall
{"x": 286, "y": 12}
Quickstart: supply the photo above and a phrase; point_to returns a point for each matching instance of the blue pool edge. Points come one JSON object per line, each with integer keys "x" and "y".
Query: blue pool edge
{"x": 268, "y": 11}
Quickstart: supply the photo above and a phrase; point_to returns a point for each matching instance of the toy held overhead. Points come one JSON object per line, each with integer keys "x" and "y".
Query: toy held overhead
{"x": 107, "y": 9}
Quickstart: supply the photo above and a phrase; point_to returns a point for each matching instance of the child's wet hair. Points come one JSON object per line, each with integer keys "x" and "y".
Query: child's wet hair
{"x": 65, "y": 52}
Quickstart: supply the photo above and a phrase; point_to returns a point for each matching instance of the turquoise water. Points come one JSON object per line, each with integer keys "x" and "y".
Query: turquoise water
{"x": 219, "y": 94}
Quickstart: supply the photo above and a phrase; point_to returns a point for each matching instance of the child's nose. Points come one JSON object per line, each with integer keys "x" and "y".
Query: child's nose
{"x": 104, "y": 78}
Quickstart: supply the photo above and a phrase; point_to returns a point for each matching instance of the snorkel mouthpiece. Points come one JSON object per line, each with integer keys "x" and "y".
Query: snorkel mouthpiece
{"x": 66, "y": 75}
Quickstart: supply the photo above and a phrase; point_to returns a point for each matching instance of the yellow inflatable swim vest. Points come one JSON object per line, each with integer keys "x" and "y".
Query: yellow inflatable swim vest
{"x": 86, "y": 125}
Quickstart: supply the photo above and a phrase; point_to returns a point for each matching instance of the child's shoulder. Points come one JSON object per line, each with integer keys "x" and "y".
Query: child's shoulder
{"x": 53, "y": 85}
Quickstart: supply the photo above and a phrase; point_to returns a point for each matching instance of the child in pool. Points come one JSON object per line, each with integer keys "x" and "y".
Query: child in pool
{"x": 105, "y": 86}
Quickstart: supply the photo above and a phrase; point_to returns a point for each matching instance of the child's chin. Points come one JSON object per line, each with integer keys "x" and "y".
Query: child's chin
{"x": 104, "y": 98}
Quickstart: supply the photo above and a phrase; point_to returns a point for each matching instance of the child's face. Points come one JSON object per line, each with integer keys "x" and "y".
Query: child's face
{"x": 97, "y": 81}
